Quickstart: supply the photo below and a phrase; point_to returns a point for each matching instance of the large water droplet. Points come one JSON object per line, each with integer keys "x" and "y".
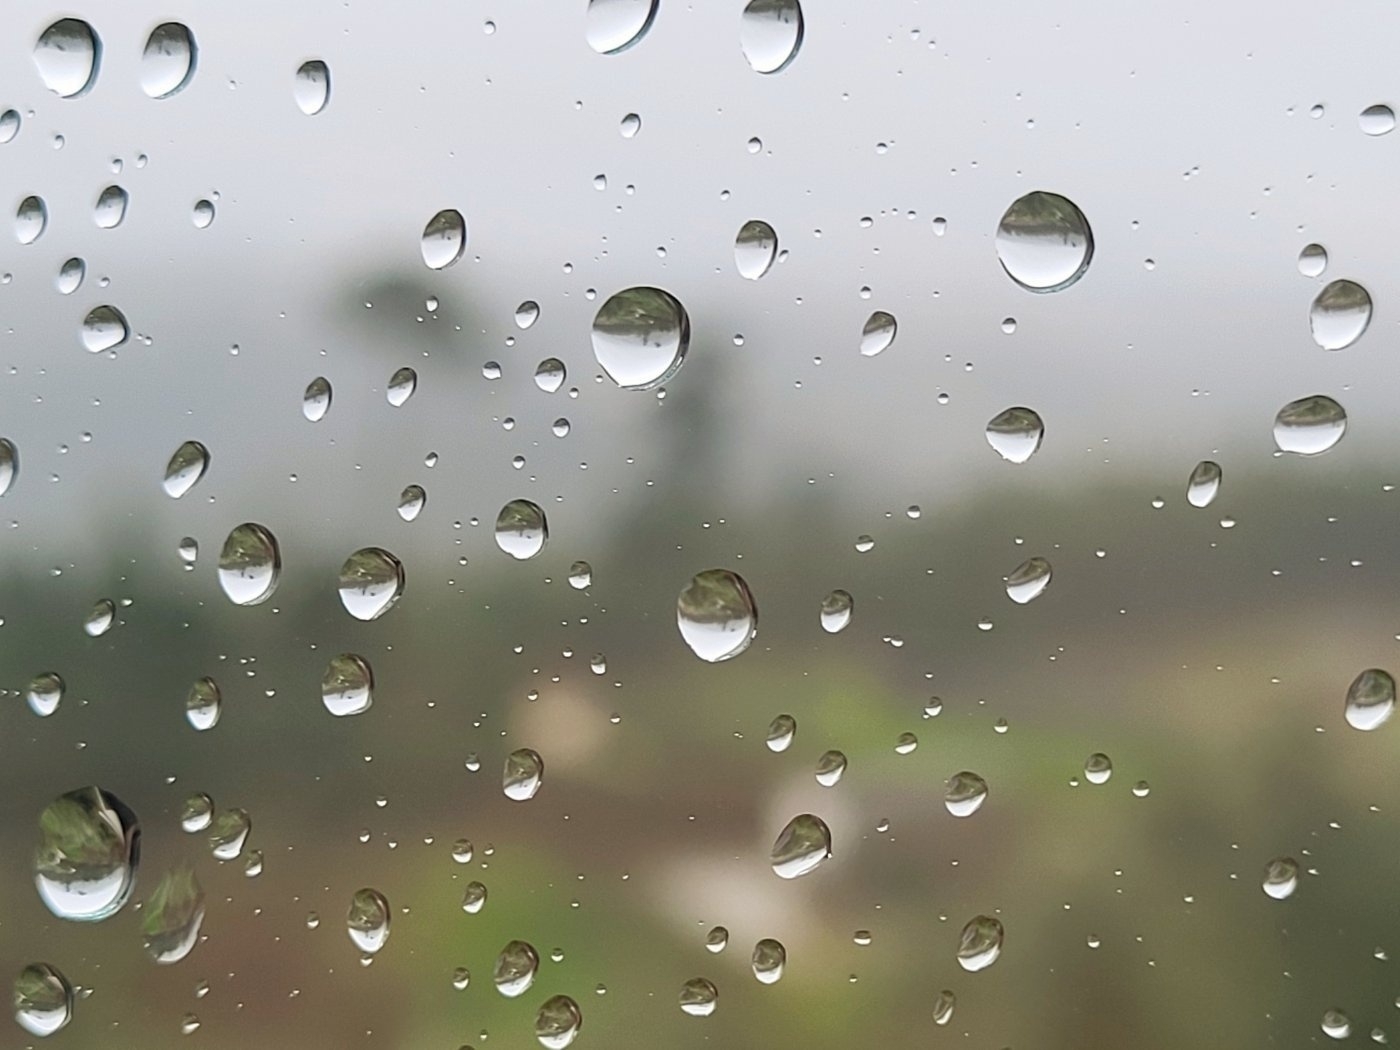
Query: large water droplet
{"x": 1044, "y": 242}
{"x": 367, "y": 921}
{"x": 943, "y": 1007}
{"x": 754, "y": 249}
{"x": 515, "y": 969}
{"x": 699, "y": 997}
{"x": 67, "y": 56}
{"x": 1309, "y": 425}
{"x": 187, "y": 465}
{"x": 521, "y": 529}
{"x": 980, "y": 944}
{"x": 347, "y": 686}
{"x": 837, "y": 609}
{"x": 1340, "y": 314}
{"x": 965, "y": 795}
{"x": 43, "y": 999}
{"x": 229, "y": 832}
{"x": 1028, "y": 580}
{"x": 196, "y": 813}
{"x": 89, "y": 848}
{"x": 768, "y": 961}
{"x": 110, "y": 209}
{"x": 316, "y": 401}
{"x": 801, "y": 846}
{"x": 44, "y": 693}
{"x": 249, "y": 564}
{"x": 1281, "y": 878}
{"x": 31, "y": 217}
{"x": 716, "y": 615}
{"x": 1336, "y": 1024}
{"x": 167, "y": 65}
{"x": 770, "y": 33}
{"x": 558, "y": 1022}
{"x": 104, "y": 328}
{"x": 312, "y": 87}
{"x": 100, "y": 618}
{"x": 371, "y": 581}
{"x": 550, "y": 374}
{"x": 204, "y": 704}
{"x": 70, "y": 276}
{"x": 1098, "y": 767}
{"x": 1370, "y": 699}
{"x": 1204, "y": 484}
{"x": 1377, "y": 120}
{"x": 640, "y": 337}
{"x": 444, "y": 239}
{"x": 831, "y": 767}
{"x": 781, "y": 732}
{"x": 523, "y": 775}
{"x": 401, "y": 386}
{"x": 171, "y": 917}
{"x": 1312, "y": 260}
{"x": 878, "y": 333}
{"x": 1016, "y": 434}
{"x": 615, "y": 25}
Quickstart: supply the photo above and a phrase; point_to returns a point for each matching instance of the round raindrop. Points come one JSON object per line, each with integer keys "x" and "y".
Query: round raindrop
{"x": 249, "y": 564}
{"x": 401, "y": 386}
{"x": 316, "y": 400}
{"x": 444, "y": 239}
{"x": 371, "y": 581}
{"x": 768, "y": 960}
{"x": 980, "y": 943}
{"x": 521, "y": 529}
{"x": 1370, "y": 699}
{"x": 1336, "y": 1024}
{"x": 755, "y": 248}
{"x": 557, "y": 1022}
{"x": 228, "y": 833}
{"x": 801, "y": 846}
{"x": 1204, "y": 484}
{"x": 781, "y": 732}
{"x": 104, "y": 328}
{"x": 965, "y": 795}
{"x": 1310, "y": 425}
{"x": 1028, "y": 580}
{"x": 1312, "y": 260}
{"x": 1377, "y": 120}
{"x": 550, "y": 374}
{"x": 89, "y": 848}
{"x": 1015, "y": 434}
{"x": 31, "y": 218}
{"x": 526, "y": 314}
{"x": 473, "y": 898}
{"x": 640, "y": 337}
{"x": 837, "y": 610}
{"x": 167, "y": 64}
{"x": 1098, "y": 767}
{"x": 615, "y": 25}
{"x": 831, "y": 767}
{"x": 43, "y": 999}
{"x": 196, "y": 813}
{"x": 1281, "y": 878}
{"x": 367, "y": 921}
{"x": 412, "y": 500}
{"x": 1044, "y": 242}
{"x": 770, "y": 34}
{"x": 70, "y": 276}
{"x": 203, "y": 704}
{"x": 172, "y": 915}
{"x": 187, "y": 465}
{"x": 110, "y": 209}
{"x": 67, "y": 56}
{"x": 515, "y": 969}
{"x": 44, "y": 693}
{"x": 716, "y": 615}
{"x": 312, "y": 86}
{"x": 347, "y": 687}
{"x": 202, "y": 215}
{"x": 523, "y": 775}
{"x": 629, "y": 126}
{"x": 1340, "y": 314}
{"x": 699, "y": 997}
{"x": 580, "y": 575}
{"x": 717, "y": 940}
{"x": 100, "y": 618}
{"x": 878, "y": 333}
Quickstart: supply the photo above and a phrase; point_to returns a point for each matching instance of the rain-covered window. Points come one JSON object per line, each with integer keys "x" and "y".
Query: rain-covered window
{"x": 407, "y": 411}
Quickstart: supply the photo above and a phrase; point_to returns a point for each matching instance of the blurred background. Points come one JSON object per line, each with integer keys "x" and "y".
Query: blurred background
{"x": 1206, "y": 651}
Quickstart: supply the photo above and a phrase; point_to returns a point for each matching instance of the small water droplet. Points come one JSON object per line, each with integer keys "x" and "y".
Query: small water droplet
{"x": 463, "y": 851}
{"x": 1336, "y": 1023}
{"x": 100, "y": 618}
{"x": 965, "y": 795}
{"x": 716, "y": 940}
{"x": 1281, "y": 878}
{"x": 196, "y": 813}
{"x": 526, "y": 314}
{"x": 461, "y": 978}
{"x": 580, "y": 575}
{"x": 699, "y": 997}
{"x": 523, "y": 775}
{"x": 171, "y": 916}
{"x": 1377, "y": 120}
{"x": 521, "y": 529}
{"x": 770, "y": 34}
{"x": 1142, "y": 789}
{"x": 31, "y": 219}
{"x": 1028, "y": 580}
{"x": 444, "y": 239}
{"x": 878, "y": 333}
{"x": 1310, "y": 425}
{"x": 186, "y": 466}
{"x": 110, "y": 209}
{"x": 228, "y": 832}
{"x": 411, "y": 502}
{"x": 550, "y": 374}
{"x": 1044, "y": 242}
{"x": 640, "y": 337}
{"x": 943, "y": 1007}
{"x": 9, "y": 125}
{"x": 401, "y": 386}
{"x": 1312, "y": 260}
{"x": 1370, "y": 699}
{"x": 1016, "y": 434}
{"x": 70, "y": 276}
{"x": 367, "y": 920}
{"x": 558, "y": 1022}
{"x": 203, "y": 213}
{"x": 612, "y": 26}
{"x": 473, "y": 897}
{"x": 769, "y": 960}
{"x": 312, "y": 86}
{"x": 67, "y": 56}
{"x": 1340, "y": 314}
{"x": 44, "y": 693}
{"x": 1204, "y": 484}
{"x": 169, "y": 60}
{"x": 316, "y": 401}
{"x": 1098, "y": 767}
{"x": 716, "y": 615}
{"x": 801, "y": 846}
{"x": 249, "y": 564}
{"x": 515, "y": 969}
{"x": 906, "y": 744}
{"x": 831, "y": 767}
{"x": 837, "y": 609}
{"x": 43, "y": 999}
{"x": 630, "y": 125}
{"x": 755, "y": 248}
{"x": 371, "y": 581}
{"x": 204, "y": 704}
{"x": 89, "y": 848}
{"x": 781, "y": 732}
{"x": 980, "y": 943}
{"x": 347, "y": 686}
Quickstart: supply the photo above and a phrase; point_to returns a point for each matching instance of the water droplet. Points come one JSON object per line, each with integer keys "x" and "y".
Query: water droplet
{"x": 580, "y": 575}
{"x": 801, "y": 846}
{"x": 716, "y": 940}
{"x": 943, "y": 1007}
{"x": 1312, "y": 260}
{"x": 1281, "y": 878}
{"x": 1016, "y": 434}
{"x": 204, "y": 704}
{"x": 1310, "y": 425}
{"x": 521, "y": 529}
{"x": 371, "y": 581}
{"x": 1340, "y": 314}
{"x": 401, "y": 386}
{"x": 89, "y": 848}
{"x": 110, "y": 209}
{"x": 171, "y": 916}
{"x": 560, "y": 427}
{"x": 473, "y": 898}
{"x": 249, "y": 564}
{"x": 316, "y": 401}
{"x": 523, "y": 774}
{"x": 906, "y": 744}
{"x": 203, "y": 213}
{"x": 168, "y": 63}
{"x": 1142, "y": 789}
{"x": 9, "y": 125}
{"x": 1377, "y": 120}
{"x": 699, "y": 997}
{"x": 550, "y": 374}
{"x": 187, "y": 465}
{"x": 615, "y": 25}
{"x": 878, "y": 333}
{"x": 444, "y": 239}
{"x": 755, "y": 248}
{"x": 716, "y": 615}
{"x": 1370, "y": 699}
{"x": 462, "y": 851}
{"x": 781, "y": 732}
{"x": 630, "y": 125}
{"x": 67, "y": 56}
{"x": 770, "y": 33}
{"x": 1028, "y": 580}
{"x": 100, "y": 618}
{"x": 196, "y": 813}
{"x": 515, "y": 969}
{"x": 965, "y": 795}
{"x": 769, "y": 959}
{"x": 31, "y": 218}
{"x": 640, "y": 337}
{"x": 411, "y": 502}
{"x": 980, "y": 944}
{"x": 1204, "y": 484}
{"x": 1336, "y": 1024}
{"x": 347, "y": 687}
{"x": 228, "y": 833}
{"x": 558, "y": 1022}
{"x": 367, "y": 921}
{"x": 70, "y": 276}
{"x": 43, "y": 999}
{"x": 44, "y": 693}
{"x": 831, "y": 767}
{"x": 312, "y": 87}
{"x": 837, "y": 609}
{"x": 526, "y": 314}
{"x": 1098, "y": 767}
{"x": 461, "y": 978}
{"x": 1044, "y": 242}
